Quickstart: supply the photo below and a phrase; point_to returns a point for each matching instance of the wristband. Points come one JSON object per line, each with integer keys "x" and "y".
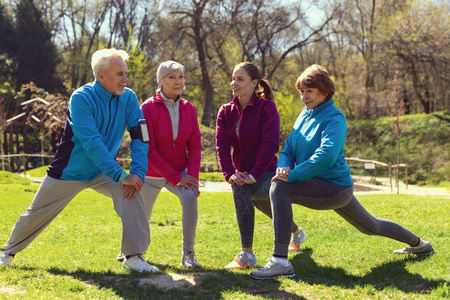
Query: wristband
{"x": 122, "y": 177}
{"x": 140, "y": 132}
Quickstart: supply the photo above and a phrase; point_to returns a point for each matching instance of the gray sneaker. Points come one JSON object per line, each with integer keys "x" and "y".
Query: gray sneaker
{"x": 296, "y": 241}
{"x": 188, "y": 261}
{"x": 242, "y": 261}
{"x": 139, "y": 264}
{"x": 5, "y": 259}
{"x": 424, "y": 249}
{"x": 273, "y": 270}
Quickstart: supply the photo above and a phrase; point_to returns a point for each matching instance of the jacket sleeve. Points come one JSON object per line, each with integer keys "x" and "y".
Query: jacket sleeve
{"x": 194, "y": 144}
{"x": 332, "y": 141}
{"x": 270, "y": 140}
{"x": 138, "y": 149}
{"x": 85, "y": 129}
{"x": 223, "y": 145}
{"x": 157, "y": 161}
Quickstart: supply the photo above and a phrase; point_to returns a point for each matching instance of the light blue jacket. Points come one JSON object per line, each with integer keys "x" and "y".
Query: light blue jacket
{"x": 95, "y": 125}
{"x": 315, "y": 147}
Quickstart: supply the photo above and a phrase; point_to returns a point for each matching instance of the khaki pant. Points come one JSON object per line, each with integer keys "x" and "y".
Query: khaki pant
{"x": 53, "y": 195}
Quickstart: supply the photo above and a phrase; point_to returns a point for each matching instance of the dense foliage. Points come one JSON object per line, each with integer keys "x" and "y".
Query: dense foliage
{"x": 425, "y": 145}
{"x": 359, "y": 42}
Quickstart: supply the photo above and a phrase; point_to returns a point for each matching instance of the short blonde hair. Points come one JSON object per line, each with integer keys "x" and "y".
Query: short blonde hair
{"x": 316, "y": 76}
{"x": 101, "y": 59}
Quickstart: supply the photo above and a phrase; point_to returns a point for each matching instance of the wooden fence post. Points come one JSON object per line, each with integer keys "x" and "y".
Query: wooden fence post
{"x": 406, "y": 175}
{"x": 24, "y": 165}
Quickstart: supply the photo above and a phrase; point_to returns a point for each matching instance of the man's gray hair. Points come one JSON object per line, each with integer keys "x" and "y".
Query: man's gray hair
{"x": 101, "y": 59}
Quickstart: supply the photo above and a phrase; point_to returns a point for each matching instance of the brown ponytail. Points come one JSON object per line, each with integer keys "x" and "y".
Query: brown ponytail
{"x": 266, "y": 91}
{"x": 263, "y": 88}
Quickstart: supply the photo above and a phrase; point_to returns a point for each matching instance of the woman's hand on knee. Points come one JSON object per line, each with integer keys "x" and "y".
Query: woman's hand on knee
{"x": 278, "y": 177}
{"x": 238, "y": 178}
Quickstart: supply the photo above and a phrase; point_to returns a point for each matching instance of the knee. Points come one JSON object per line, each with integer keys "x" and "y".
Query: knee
{"x": 240, "y": 192}
{"x": 276, "y": 187}
{"x": 188, "y": 197}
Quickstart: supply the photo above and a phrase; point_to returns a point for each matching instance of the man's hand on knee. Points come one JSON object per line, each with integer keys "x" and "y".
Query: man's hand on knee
{"x": 132, "y": 184}
{"x": 129, "y": 191}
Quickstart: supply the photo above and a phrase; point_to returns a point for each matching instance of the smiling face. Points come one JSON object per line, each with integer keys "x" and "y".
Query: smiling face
{"x": 312, "y": 97}
{"x": 242, "y": 84}
{"x": 114, "y": 79}
{"x": 172, "y": 85}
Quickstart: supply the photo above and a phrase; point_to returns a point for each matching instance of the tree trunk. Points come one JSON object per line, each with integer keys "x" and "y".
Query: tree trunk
{"x": 199, "y": 43}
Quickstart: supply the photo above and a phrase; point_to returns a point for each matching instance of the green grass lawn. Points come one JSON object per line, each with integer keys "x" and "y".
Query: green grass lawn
{"x": 74, "y": 258}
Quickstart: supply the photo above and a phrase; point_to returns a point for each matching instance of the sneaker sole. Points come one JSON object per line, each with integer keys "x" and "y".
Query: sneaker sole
{"x": 419, "y": 253}
{"x": 190, "y": 268}
{"x": 272, "y": 277}
{"x": 129, "y": 269}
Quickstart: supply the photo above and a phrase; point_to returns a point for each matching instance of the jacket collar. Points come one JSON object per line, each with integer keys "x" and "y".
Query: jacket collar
{"x": 321, "y": 107}
{"x": 235, "y": 100}
{"x": 158, "y": 98}
{"x": 104, "y": 94}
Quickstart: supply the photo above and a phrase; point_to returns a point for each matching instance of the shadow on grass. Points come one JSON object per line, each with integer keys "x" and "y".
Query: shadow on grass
{"x": 391, "y": 274}
{"x": 198, "y": 284}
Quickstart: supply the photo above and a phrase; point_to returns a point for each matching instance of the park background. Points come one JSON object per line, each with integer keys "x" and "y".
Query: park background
{"x": 389, "y": 58}
{"x": 390, "y": 61}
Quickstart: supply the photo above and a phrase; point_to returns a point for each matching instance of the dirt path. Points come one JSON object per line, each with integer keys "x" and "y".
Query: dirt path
{"x": 362, "y": 186}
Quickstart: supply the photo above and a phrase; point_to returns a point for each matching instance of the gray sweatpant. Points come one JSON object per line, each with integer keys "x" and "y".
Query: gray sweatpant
{"x": 323, "y": 195}
{"x": 246, "y": 198}
{"x": 53, "y": 195}
{"x": 188, "y": 200}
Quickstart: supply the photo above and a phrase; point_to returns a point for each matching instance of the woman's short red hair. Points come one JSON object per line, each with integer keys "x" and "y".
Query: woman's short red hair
{"x": 316, "y": 76}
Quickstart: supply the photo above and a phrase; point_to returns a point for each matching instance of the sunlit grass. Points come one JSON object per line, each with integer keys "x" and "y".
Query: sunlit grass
{"x": 74, "y": 258}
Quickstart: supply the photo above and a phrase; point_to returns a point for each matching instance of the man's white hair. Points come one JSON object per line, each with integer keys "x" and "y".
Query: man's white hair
{"x": 101, "y": 59}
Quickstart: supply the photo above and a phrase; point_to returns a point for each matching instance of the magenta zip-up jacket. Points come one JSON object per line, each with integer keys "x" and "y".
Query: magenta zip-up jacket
{"x": 253, "y": 151}
{"x": 166, "y": 159}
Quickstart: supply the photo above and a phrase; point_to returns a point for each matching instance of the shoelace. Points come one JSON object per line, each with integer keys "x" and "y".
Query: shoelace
{"x": 269, "y": 263}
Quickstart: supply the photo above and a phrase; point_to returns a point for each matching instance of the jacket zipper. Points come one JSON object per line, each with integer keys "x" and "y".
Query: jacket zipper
{"x": 239, "y": 135}
{"x": 109, "y": 119}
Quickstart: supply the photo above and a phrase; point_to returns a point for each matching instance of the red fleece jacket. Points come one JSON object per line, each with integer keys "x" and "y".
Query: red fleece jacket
{"x": 166, "y": 158}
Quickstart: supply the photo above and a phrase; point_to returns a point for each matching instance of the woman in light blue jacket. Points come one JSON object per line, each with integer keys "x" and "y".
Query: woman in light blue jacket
{"x": 312, "y": 172}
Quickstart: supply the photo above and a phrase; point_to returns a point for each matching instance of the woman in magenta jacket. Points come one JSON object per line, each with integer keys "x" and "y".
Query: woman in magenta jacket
{"x": 250, "y": 125}
{"x": 174, "y": 152}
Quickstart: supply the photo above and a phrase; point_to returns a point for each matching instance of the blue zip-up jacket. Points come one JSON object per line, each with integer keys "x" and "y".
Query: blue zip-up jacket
{"x": 95, "y": 125}
{"x": 315, "y": 147}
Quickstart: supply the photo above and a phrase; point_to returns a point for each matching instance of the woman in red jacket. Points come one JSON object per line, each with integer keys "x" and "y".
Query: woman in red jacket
{"x": 250, "y": 125}
{"x": 174, "y": 152}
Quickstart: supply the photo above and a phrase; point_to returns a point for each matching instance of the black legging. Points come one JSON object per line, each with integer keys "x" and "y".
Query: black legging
{"x": 246, "y": 198}
{"x": 323, "y": 195}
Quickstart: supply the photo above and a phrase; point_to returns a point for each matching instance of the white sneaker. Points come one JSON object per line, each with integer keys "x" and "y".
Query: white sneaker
{"x": 424, "y": 249}
{"x": 137, "y": 263}
{"x": 5, "y": 259}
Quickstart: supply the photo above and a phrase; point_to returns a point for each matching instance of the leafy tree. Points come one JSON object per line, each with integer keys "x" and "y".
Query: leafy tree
{"x": 36, "y": 54}
{"x": 418, "y": 35}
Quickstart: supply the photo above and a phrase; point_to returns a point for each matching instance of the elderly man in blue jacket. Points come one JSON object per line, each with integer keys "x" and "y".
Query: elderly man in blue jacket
{"x": 98, "y": 114}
